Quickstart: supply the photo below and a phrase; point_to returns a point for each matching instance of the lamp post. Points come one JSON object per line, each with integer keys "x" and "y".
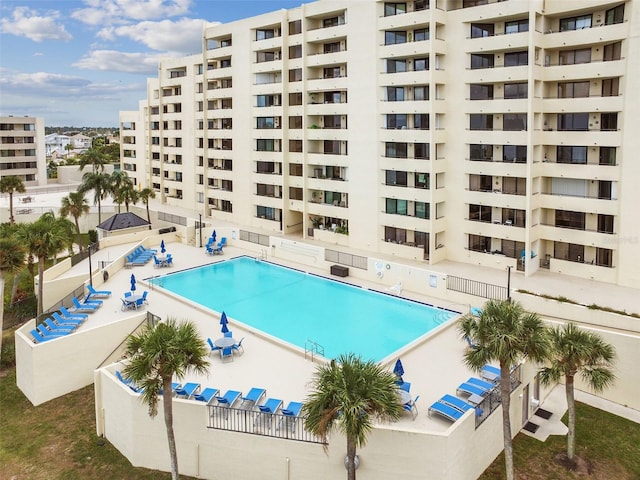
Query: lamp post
{"x": 509, "y": 283}
{"x": 200, "y": 228}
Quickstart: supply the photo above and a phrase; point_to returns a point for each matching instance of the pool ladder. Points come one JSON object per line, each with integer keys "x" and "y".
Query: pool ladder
{"x": 262, "y": 256}
{"x": 312, "y": 349}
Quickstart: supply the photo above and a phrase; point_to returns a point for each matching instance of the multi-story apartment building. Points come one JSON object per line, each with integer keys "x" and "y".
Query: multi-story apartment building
{"x": 498, "y": 133}
{"x": 22, "y": 149}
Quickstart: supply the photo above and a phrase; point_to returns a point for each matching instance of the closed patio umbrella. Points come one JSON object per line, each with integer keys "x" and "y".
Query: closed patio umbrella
{"x": 162, "y": 249}
{"x": 133, "y": 282}
{"x": 398, "y": 369}
{"x": 213, "y": 237}
{"x": 223, "y": 322}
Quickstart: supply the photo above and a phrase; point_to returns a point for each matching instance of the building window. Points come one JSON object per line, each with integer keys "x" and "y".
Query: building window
{"x": 481, "y": 92}
{"x": 396, "y": 120}
{"x": 421, "y": 151}
{"x": 514, "y": 217}
{"x": 614, "y": 15}
{"x": 332, "y": 22}
{"x": 266, "y": 145}
{"x": 267, "y": 100}
{"x": 295, "y": 75}
{"x": 395, "y": 94}
{"x": 480, "y": 121}
{"x": 393, "y": 177}
{"x": 514, "y": 122}
{"x": 395, "y": 235}
{"x": 573, "y": 57}
{"x": 514, "y": 153}
{"x": 611, "y": 87}
{"x": 479, "y": 243}
{"x": 573, "y": 89}
{"x": 394, "y": 9}
{"x": 295, "y": 99}
{"x": 607, "y": 156}
{"x": 332, "y": 47}
{"x": 571, "y": 154}
{"x": 480, "y": 153}
{"x": 332, "y": 72}
{"x": 396, "y": 207}
{"x": 516, "y": 26}
{"x": 295, "y": 51}
{"x": 605, "y": 190}
{"x": 420, "y": 34}
{"x": 480, "y": 183}
{"x": 569, "y": 219}
{"x": 516, "y": 59}
{"x": 421, "y": 92}
{"x": 295, "y": 122}
{"x": 421, "y": 64}
{"x": 573, "y": 121}
{"x": 262, "y": 57}
{"x": 575, "y": 23}
{"x": 604, "y": 257}
{"x": 568, "y": 251}
{"x": 265, "y": 122}
{"x": 479, "y": 30}
{"x": 332, "y": 147}
{"x": 514, "y": 185}
{"x": 396, "y": 66}
{"x": 482, "y": 60}
{"x": 605, "y": 223}
{"x": 395, "y": 150}
{"x": 421, "y": 121}
{"x": 480, "y": 213}
{"x": 265, "y": 33}
{"x": 295, "y": 146}
{"x": 295, "y": 27}
{"x": 612, "y": 52}
{"x": 421, "y": 180}
{"x": 392, "y": 37}
{"x": 516, "y": 90}
{"x": 422, "y": 210}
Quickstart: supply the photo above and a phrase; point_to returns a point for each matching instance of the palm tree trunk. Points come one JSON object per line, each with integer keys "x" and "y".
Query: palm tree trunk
{"x": 40, "y": 284}
{"x": 78, "y": 232}
{"x": 99, "y": 211}
{"x": 1, "y": 310}
{"x": 505, "y": 399}
{"x": 351, "y": 459}
{"x": 11, "y": 219}
{"x": 14, "y": 288}
{"x": 571, "y": 406}
{"x": 168, "y": 421}
{"x": 148, "y": 215}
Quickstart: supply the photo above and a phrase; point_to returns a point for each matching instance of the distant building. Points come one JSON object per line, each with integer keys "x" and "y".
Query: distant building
{"x": 81, "y": 142}
{"x": 56, "y": 144}
{"x": 22, "y": 149}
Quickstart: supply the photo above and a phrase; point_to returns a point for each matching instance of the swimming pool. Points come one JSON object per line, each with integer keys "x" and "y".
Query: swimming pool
{"x": 297, "y": 307}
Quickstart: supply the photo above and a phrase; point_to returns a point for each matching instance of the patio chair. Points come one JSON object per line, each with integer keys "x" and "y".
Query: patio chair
{"x": 226, "y": 354}
{"x": 67, "y": 314}
{"x": 187, "y": 390}
{"x": 39, "y": 337}
{"x": 253, "y": 397}
{"x": 227, "y": 401}
{"x": 213, "y": 347}
{"x": 128, "y": 382}
{"x": 456, "y": 403}
{"x": 92, "y": 301}
{"x": 238, "y": 347}
{"x": 144, "y": 297}
{"x": 60, "y": 320}
{"x": 56, "y": 331}
{"x": 169, "y": 262}
{"x": 265, "y": 417}
{"x": 411, "y": 407}
{"x": 446, "y": 411}
{"x": 290, "y": 416}
{"x": 490, "y": 373}
{"x": 54, "y": 326}
{"x": 128, "y": 305}
{"x": 97, "y": 293}
{"x": 206, "y": 395}
{"x": 80, "y": 307}
{"x": 481, "y": 383}
{"x": 140, "y": 302}
{"x": 157, "y": 263}
{"x": 471, "y": 389}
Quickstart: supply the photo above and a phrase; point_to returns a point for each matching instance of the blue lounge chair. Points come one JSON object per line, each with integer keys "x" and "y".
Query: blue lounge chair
{"x": 456, "y": 403}
{"x": 39, "y": 337}
{"x": 238, "y": 347}
{"x": 54, "y": 326}
{"x": 490, "y": 373}
{"x": 227, "y": 401}
{"x": 92, "y": 301}
{"x": 481, "y": 383}
{"x": 97, "y": 293}
{"x": 226, "y": 354}
{"x": 56, "y": 331}
{"x": 67, "y": 314}
{"x": 406, "y": 386}
{"x": 66, "y": 320}
{"x": 213, "y": 347}
{"x": 80, "y": 307}
{"x": 471, "y": 389}
{"x": 206, "y": 395}
{"x": 187, "y": 390}
{"x": 252, "y": 398}
{"x": 290, "y": 416}
{"x": 174, "y": 387}
{"x": 412, "y": 407}
{"x": 265, "y": 417}
{"x": 128, "y": 382}
{"x": 446, "y": 411}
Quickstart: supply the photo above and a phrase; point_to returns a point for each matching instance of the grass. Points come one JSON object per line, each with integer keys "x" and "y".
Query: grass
{"x": 610, "y": 444}
{"x": 58, "y": 440}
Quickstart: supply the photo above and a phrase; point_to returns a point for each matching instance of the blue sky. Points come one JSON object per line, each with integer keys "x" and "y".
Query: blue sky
{"x": 80, "y": 62}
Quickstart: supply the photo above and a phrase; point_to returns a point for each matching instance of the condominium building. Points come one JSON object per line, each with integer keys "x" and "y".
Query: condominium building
{"x": 496, "y": 133}
{"x": 22, "y": 149}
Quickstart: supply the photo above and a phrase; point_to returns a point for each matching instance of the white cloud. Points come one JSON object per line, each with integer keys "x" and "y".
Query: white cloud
{"x": 109, "y": 12}
{"x": 181, "y": 37}
{"x": 54, "y": 85}
{"x": 115, "y": 61}
{"x": 26, "y": 22}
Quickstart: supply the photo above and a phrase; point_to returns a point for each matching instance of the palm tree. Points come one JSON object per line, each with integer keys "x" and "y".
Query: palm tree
{"x": 156, "y": 355}
{"x": 505, "y": 333}
{"x": 11, "y": 184}
{"x": 573, "y": 351}
{"x": 93, "y": 157}
{"x": 12, "y": 257}
{"x": 123, "y": 189}
{"x": 348, "y": 393}
{"x": 145, "y": 194}
{"x": 100, "y": 183}
{"x": 45, "y": 238}
{"x": 12, "y": 231}
{"x": 75, "y": 205}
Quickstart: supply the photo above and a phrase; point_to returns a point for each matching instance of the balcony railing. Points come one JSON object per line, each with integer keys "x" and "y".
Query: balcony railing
{"x": 492, "y": 400}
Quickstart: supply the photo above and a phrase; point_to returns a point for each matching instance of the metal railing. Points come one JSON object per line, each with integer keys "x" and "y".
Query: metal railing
{"x": 492, "y": 400}
{"x": 312, "y": 349}
{"x": 255, "y": 422}
{"x": 347, "y": 259}
{"x": 254, "y": 237}
{"x": 474, "y": 287}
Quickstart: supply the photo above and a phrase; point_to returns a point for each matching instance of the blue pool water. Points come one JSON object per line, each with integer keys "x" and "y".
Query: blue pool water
{"x": 296, "y": 307}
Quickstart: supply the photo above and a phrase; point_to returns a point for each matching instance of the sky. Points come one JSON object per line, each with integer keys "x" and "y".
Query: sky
{"x": 80, "y": 62}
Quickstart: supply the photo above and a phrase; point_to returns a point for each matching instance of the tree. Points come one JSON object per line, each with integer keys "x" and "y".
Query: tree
{"x": 145, "y": 194}
{"x": 505, "y": 333}
{"x": 123, "y": 189}
{"x": 155, "y": 356}
{"x": 100, "y": 183}
{"x": 348, "y": 393}
{"x": 575, "y": 350}
{"x": 11, "y": 184}
{"x": 11, "y": 231}
{"x": 93, "y": 157}
{"x": 75, "y": 205}
{"x": 12, "y": 258}
{"x": 45, "y": 238}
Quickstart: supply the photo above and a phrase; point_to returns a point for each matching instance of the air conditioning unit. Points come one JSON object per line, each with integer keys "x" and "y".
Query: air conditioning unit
{"x": 535, "y": 402}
